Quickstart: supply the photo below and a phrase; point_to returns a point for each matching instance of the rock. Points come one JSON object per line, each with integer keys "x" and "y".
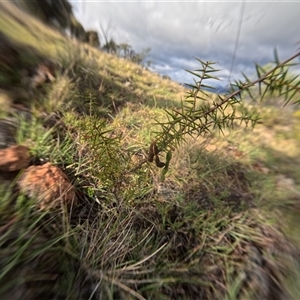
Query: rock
{"x": 43, "y": 73}
{"x": 127, "y": 84}
{"x": 259, "y": 167}
{"x": 49, "y": 185}
{"x": 287, "y": 185}
{"x": 14, "y": 158}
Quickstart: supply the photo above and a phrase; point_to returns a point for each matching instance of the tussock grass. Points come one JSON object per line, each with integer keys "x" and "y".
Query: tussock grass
{"x": 212, "y": 230}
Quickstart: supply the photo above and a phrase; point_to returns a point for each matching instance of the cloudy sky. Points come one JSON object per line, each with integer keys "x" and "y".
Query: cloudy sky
{"x": 235, "y": 34}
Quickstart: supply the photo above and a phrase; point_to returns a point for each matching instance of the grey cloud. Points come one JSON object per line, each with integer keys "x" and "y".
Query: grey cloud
{"x": 178, "y": 31}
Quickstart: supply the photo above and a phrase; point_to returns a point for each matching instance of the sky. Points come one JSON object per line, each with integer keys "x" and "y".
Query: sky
{"x": 234, "y": 34}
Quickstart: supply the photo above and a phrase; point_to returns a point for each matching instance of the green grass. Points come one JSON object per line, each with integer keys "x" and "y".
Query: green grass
{"x": 216, "y": 228}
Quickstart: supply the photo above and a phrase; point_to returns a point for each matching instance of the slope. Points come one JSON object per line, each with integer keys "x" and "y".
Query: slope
{"x": 220, "y": 226}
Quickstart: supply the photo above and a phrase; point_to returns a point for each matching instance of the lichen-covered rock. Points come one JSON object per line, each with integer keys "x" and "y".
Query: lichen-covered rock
{"x": 14, "y": 158}
{"x": 49, "y": 185}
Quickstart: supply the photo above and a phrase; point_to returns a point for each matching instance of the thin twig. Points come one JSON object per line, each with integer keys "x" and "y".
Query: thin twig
{"x": 262, "y": 78}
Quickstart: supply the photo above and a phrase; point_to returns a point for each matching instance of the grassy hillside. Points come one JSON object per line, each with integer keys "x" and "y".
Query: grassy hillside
{"x": 222, "y": 225}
